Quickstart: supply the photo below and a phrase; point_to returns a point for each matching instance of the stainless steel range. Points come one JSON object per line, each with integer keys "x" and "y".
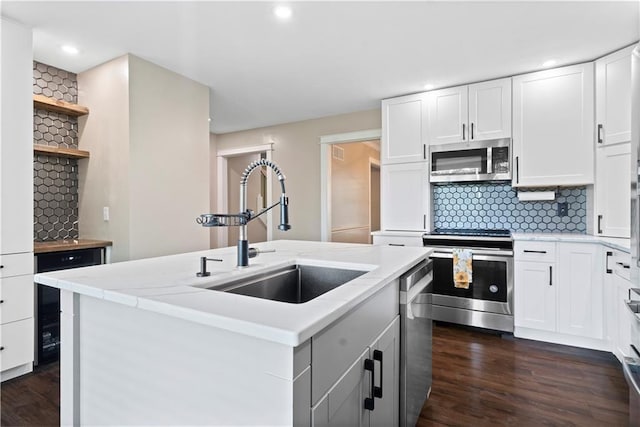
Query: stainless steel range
{"x": 488, "y": 301}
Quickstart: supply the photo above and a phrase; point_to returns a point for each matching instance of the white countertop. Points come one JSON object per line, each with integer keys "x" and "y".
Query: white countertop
{"x": 169, "y": 285}
{"x": 612, "y": 242}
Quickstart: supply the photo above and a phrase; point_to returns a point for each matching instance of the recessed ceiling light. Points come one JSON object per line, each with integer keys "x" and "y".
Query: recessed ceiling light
{"x": 428, "y": 86}
{"x": 549, "y": 63}
{"x": 71, "y": 50}
{"x": 282, "y": 12}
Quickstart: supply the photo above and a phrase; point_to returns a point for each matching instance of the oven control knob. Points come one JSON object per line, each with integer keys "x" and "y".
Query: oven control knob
{"x": 493, "y": 288}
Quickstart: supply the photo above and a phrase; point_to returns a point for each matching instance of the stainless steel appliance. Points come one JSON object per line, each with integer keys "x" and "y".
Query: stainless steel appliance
{"x": 471, "y": 161}
{"x": 488, "y": 302}
{"x": 632, "y": 365}
{"x": 415, "y": 341}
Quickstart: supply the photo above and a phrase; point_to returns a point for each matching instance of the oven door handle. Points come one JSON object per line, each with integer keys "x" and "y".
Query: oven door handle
{"x": 479, "y": 255}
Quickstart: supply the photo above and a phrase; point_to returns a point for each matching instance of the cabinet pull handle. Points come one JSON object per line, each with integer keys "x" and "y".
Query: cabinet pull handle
{"x": 599, "y": 224}
{"x": 368, "y": 401}
{"x": 471, "y": 130}
{"x": 1, "y": 266}
{"x": 464, "y": 131}
{"x": 528, "y": 251}
{"x": 396, "y": 244}
{"x": 424, "y": 221}
{"x": 550, "y": 275}
{"x": 517, "y": 169}
{"x": 607, "y": 269}
{"x": 623, "y": 265}
{"x": 1, "y": 301}
{"x": 1, "y": 348}
{"x": 424, "y": 151}
{"x": 377, "y": 391}
{"x": 599, "y": 134}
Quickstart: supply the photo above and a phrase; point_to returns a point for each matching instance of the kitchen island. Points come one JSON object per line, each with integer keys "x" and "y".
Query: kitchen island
{"x": 149, "y": 342}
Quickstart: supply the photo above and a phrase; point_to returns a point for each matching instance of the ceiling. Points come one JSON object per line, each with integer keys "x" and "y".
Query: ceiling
{"x": 329, "y": 57}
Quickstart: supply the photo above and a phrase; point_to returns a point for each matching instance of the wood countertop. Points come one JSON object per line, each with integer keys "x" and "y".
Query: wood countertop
{"x": 68, "y": 245}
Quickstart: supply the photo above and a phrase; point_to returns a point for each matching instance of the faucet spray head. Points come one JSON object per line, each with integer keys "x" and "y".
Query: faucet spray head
{"x": 284, "y": 213}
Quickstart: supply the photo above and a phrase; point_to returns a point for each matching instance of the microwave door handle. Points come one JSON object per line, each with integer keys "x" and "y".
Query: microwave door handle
{"x": 489, "y": 160}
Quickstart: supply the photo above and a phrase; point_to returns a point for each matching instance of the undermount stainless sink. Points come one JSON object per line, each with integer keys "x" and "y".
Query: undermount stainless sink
{"x": 293, "y": 284}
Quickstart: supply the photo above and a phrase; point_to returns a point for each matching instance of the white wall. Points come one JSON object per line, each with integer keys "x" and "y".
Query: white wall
{"x": 297, "y": 153}
{"x": 169, "y": 173}
{"x": 103, "y": 179}
{"x": 148, "y": 135}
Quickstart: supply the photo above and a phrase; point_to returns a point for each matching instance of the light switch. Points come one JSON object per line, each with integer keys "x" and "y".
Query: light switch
{"x": 105, "y": 213}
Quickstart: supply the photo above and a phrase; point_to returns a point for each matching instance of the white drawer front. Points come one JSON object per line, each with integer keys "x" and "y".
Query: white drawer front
{"x": 16, "y": 296}
{"x": 535, "y": 251}
{"x": 16, "y": 264}
{"x": 621, "y": 264}
{"x": 16, "y": 343}
{"x": 397, "y": 240}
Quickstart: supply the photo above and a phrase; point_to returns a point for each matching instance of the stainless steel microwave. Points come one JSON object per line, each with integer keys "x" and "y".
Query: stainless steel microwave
{"x": 471, "y": 161}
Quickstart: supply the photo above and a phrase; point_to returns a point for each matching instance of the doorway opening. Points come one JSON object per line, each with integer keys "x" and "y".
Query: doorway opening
{"x": 351, "y": 186}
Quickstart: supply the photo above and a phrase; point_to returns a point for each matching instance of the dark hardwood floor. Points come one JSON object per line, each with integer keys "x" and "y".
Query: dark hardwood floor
{"x": 479, "y": 379}
{"x": 482, "y": 379}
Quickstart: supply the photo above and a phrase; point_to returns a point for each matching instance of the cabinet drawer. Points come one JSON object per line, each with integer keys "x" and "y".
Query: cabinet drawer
{"x": 621, "y": 265}
{"x": 16, "y": 298}
{"x": 16, "y": 264}
{"x": 16, "y": 343}
{"x": 335, "y": 348}
{"x": 398, "y": 240}
{"x": 535, "y": 251}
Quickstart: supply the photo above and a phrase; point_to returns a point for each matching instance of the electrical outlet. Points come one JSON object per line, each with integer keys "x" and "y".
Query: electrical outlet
{"x": 563, "y": 208}
{"x": 105, "y": 213}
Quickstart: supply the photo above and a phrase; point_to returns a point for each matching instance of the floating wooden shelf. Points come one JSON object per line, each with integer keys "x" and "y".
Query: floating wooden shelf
{"x": 70, "y": 153}
{"x": 50, "y": 104}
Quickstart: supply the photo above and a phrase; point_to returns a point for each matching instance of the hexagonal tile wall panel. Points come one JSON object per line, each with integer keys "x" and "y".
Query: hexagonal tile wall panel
{"x": 496, "y": 206}
{"x": 55, "y": 179}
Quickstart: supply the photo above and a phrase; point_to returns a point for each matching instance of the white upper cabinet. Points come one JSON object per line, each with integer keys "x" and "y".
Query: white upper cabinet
{"x": 405, "y": 195}
{"x": 613, "y": 97}
{"x": 553, "y": 127}
{"x": 490, "y": 110}
{"x": 403, "y": 122}
{"x": 474, "y": 112}
{"x": 613, "y": 191}
{"x": 448, "y": 115}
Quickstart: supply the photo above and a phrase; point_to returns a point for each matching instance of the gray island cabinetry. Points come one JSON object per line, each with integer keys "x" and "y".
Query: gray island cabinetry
{"x": 148, "y": 342}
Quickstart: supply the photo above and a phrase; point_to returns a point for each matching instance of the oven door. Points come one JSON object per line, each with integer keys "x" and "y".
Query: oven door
{"x": 491, "y": 289}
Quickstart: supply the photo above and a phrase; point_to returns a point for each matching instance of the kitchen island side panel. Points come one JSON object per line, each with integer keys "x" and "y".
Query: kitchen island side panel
{"x": 140, "y": 367}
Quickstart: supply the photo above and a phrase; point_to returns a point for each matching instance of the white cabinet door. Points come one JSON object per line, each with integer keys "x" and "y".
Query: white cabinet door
{"x": 535, "y": 295}
{"x": 613, "y": 97}
{"x": 613, "y": 191}
{"x": 580, "y": 290}
{"x": 16, "y": 340}
{"x": 448, "y": 115}
{"x": 403, "y": 121}
{"x": 16, "y": 161}
{"x": 16, "y": 294}
{"x": 343, "y": 405}
{"x": 623, "y": 340}
{"x": 405, "y": 192}
{"x": 553, "y": 137}
{"x": 386, "y": 412}
{"x": 490, "y": 110}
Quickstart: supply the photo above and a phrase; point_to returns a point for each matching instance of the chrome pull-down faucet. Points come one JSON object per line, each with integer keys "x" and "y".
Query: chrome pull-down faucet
{"x": 246, "y": 215}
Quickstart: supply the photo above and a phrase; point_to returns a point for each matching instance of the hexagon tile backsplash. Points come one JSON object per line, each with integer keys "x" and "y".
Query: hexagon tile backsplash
{"x": 55, "y": 179}
{"x": 496, "y": 206}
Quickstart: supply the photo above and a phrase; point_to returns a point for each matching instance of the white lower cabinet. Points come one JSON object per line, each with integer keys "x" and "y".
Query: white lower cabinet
{"x": 559, "y": 293}
{"x": 535, "y": 295}
{"x": 398, "y": 240}
{"x": 354, "y": 400}
{"x": 618, "y": 318}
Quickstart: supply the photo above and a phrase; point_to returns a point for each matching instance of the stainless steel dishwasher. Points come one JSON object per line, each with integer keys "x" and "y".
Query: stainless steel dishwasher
{"x": 415, "y": 341}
